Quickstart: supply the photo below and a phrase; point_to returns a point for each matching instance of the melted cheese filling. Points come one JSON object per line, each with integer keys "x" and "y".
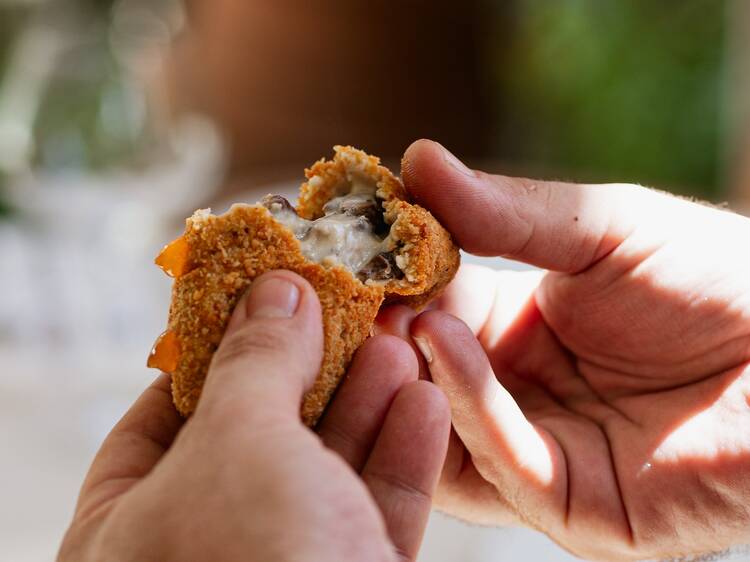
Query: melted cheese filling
{"x": 345, "y": 235}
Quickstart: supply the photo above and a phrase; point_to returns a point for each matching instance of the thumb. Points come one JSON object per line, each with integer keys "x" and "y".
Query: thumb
{"x": 558, "y": 226}
{"x": 270, "y": 353}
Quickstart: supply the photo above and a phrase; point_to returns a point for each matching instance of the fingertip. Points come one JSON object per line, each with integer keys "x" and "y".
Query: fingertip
{"x": 391, "y": 353}
{"x": 444, "y": 185}
{"x": 426, "y": 402}
{"x": 422, "y": 163}
{"x": 433, "y": 324}
{"x": 438, "y": 401}
{"x": 425, "y": 331}
{"x": 394, "y": 320}
{"x": 308, "y": 296}
{"x": 418, "y": 149}
{"x": 456, "y": 359}
{"x": 309, "y": 303}
{"x": 275, "y": 294}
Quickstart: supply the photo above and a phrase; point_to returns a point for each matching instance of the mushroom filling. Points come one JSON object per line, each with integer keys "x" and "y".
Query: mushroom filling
{"x": 352, "y": 232}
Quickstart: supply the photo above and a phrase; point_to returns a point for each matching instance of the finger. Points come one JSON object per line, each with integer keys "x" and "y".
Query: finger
{"x": 133, "y": 447}
{"x": 270, "y": 354}
{"x": 462, "y": 491}
{"x": 559, "y": 226}
{"x": 522, "y": 460}
{"x": 395, "y": 321}
{"x": 354, "y": 418}
{"x": 404, "y": 467}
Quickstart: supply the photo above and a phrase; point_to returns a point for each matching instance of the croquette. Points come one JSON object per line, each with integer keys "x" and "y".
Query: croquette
{"x": 355, "y": 236}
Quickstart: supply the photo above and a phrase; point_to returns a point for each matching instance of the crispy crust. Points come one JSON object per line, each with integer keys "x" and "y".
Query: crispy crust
{"x": 227, "y": 252}
{"x": 426, "y": 253}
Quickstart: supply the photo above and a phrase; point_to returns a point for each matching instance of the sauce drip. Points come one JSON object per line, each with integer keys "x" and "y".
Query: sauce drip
{"x": 166, "y": 353}
{"x": 173, "y": 259}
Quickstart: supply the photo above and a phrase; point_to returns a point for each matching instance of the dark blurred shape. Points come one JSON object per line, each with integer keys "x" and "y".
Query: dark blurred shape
{"x": 287, "y": 80}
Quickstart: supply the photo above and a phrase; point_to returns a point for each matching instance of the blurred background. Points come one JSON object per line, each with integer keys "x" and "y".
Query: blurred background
{"x": 119, "y": 118}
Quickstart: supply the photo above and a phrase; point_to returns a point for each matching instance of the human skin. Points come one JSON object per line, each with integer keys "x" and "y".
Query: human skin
{"x": 243, "y": 479}
{"x": 606, "y": 401}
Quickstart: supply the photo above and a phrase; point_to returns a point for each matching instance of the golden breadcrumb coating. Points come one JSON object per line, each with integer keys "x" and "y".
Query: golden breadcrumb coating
{"x": 226, "y": 253}
{"x": 427, "y": 255}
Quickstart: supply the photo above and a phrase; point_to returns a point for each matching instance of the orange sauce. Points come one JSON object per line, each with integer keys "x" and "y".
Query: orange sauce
{"x": 173, "y": 259}
{"x": 166, "y": 353}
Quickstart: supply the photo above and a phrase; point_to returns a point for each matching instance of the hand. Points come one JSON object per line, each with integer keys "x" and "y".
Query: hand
{"x": 606, "y": 402}
{"x": 243, "y": 479}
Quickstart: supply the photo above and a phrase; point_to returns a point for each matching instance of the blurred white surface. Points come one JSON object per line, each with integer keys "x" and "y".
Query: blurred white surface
{"x": 80, "y": 306}
{"x": 55, "y": 409}
{"x": 449, "y": 540}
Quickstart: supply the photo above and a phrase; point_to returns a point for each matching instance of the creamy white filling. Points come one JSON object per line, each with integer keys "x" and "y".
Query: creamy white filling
{"x": 338, "y": 237}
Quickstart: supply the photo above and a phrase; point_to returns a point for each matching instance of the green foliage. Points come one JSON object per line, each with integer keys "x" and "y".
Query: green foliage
{"x": 90, "y": 117}
{"x": 612, "y": 90}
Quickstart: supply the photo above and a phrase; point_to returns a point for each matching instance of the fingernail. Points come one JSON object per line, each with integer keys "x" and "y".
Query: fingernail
{"x": 424, "y": 347}
{"x": 455, "y": 163}
{"x": 272, "y": 297}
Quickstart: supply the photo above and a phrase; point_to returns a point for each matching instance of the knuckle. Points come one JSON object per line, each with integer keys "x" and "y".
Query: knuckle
{"x": 629, "y": 196}
{"x": 344, "y": 441}
{"x": 630, "y": 189}
{"x": 517, "y": 203}
{"x": 400, "y": 488}
{"x": 251, "y": 341}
